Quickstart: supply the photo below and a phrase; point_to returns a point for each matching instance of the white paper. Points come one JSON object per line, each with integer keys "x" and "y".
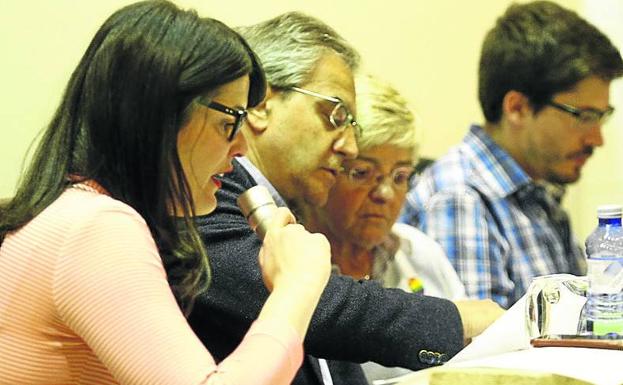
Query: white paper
{"x": 509, "y": 333}
{"x": 506, "y": 345}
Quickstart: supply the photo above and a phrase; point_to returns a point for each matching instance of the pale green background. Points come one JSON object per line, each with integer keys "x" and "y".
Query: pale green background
{"x": 428, "y": 49}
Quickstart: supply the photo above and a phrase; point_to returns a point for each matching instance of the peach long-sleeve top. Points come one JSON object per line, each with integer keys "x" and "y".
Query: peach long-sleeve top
{"x": 84, "y": 299}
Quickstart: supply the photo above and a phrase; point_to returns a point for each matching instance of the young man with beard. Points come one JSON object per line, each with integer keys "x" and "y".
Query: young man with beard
{"x": 544, "y": 84}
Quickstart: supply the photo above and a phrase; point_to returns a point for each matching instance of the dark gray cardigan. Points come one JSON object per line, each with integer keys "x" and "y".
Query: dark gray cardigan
{"x": 355, "y": 321}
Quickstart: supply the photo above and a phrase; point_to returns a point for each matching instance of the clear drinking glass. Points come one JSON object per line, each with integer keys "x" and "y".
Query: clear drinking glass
{"x": 554, "y": 304}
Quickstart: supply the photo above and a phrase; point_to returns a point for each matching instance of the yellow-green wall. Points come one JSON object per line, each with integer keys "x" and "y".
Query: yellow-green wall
{"x": 427, "y": 49}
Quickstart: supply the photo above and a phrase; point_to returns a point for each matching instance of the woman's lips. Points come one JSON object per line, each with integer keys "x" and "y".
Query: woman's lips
{"x": 216, "y": 181}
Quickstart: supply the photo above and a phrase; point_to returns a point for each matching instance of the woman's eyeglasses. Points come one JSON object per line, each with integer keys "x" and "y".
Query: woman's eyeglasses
{"x": 231, "y": 129}
{"x": 367, "y": 173}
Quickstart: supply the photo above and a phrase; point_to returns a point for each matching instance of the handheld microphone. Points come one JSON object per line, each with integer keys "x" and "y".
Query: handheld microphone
{"x": 258, "y": 206}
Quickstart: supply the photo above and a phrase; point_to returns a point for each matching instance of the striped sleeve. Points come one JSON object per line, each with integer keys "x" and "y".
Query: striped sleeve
{"x": 111, "y": 289}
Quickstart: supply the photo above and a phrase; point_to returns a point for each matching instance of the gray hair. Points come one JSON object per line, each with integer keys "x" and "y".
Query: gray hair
{"x": 384, "y": 115}
{"x": 290, "y": 45}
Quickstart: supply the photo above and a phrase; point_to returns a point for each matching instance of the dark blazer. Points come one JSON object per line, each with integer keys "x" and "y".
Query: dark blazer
{"x": 355, "y": 321}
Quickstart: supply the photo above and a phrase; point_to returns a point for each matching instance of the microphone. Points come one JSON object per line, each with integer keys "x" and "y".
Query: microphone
{"x": 258, "y": 206}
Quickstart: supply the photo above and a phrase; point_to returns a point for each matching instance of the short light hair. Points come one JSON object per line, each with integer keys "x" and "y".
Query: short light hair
{"x": 384, "y": 115}
{"x": 290, "y": 45}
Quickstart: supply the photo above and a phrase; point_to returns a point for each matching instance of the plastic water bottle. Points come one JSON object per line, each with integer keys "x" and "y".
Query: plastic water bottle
{"x": 604, "y": 251}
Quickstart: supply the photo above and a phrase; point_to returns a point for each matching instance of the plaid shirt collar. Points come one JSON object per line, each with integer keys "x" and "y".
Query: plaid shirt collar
{"x": 493, "y": 165}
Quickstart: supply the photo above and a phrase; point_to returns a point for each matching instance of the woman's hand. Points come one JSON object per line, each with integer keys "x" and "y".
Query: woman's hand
{"x": 296, "y": 266}
{"x": 292, "y": 256}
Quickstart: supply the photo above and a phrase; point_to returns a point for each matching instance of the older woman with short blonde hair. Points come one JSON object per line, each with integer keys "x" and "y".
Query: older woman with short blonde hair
{"x": 365, "y": 202}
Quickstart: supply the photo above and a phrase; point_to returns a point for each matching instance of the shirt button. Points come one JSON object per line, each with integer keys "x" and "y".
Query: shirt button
{"x": 423, "y": 356}
{"x": 436, "y": 359}
{"x": 431, "y": 358}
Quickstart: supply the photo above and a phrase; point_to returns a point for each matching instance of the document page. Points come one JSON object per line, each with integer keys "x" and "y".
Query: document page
{"x": 509, "y": 333}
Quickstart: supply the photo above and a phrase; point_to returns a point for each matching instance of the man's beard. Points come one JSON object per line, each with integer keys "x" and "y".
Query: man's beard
{"x": 554, "y": 177}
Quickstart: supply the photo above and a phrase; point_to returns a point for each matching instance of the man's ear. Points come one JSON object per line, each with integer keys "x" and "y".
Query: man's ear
{"x": 258, "y": 115}
{"x": 516, "y": 107}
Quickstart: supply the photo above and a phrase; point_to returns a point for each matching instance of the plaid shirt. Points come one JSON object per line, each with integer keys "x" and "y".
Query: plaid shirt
{"x": 497, "y": 226}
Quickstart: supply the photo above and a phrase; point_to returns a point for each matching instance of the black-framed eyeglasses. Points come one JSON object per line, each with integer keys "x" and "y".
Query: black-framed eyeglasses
{"x": 231, "y": 129}
{"x": 365, "y": 172}
{"x": 585, "y": 116}
{"x": 340, "y": 116}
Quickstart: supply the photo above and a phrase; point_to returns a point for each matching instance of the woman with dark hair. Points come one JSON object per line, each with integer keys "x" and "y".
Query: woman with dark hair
{"x": 150, "y": 119}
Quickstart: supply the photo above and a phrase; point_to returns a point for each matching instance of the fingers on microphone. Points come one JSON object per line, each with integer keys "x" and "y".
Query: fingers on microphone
{"x": 283, "y": 216}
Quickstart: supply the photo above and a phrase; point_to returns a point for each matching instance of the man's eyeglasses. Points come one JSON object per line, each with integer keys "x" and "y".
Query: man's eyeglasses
{"x": 231, "y": 129}
{"x": 340, "y": 116}
{"x": 366, "y": 173}
{"x": 585, "y": 116}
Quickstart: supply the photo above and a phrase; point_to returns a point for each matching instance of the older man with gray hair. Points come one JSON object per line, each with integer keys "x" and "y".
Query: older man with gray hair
{"x": 298, "y": 138}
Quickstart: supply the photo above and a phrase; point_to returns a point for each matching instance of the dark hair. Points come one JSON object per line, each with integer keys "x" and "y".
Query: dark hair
{"x": 119, "y": 118}
{"x": 540, "y": 49}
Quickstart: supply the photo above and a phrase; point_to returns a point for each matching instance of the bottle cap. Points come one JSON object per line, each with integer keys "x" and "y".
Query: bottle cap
{"x": 609, "y": 211}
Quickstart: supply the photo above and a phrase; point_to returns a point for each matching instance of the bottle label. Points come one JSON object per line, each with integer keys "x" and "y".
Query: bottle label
{"x": 604, "y": 327}
{"x": 605, "y": 274}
